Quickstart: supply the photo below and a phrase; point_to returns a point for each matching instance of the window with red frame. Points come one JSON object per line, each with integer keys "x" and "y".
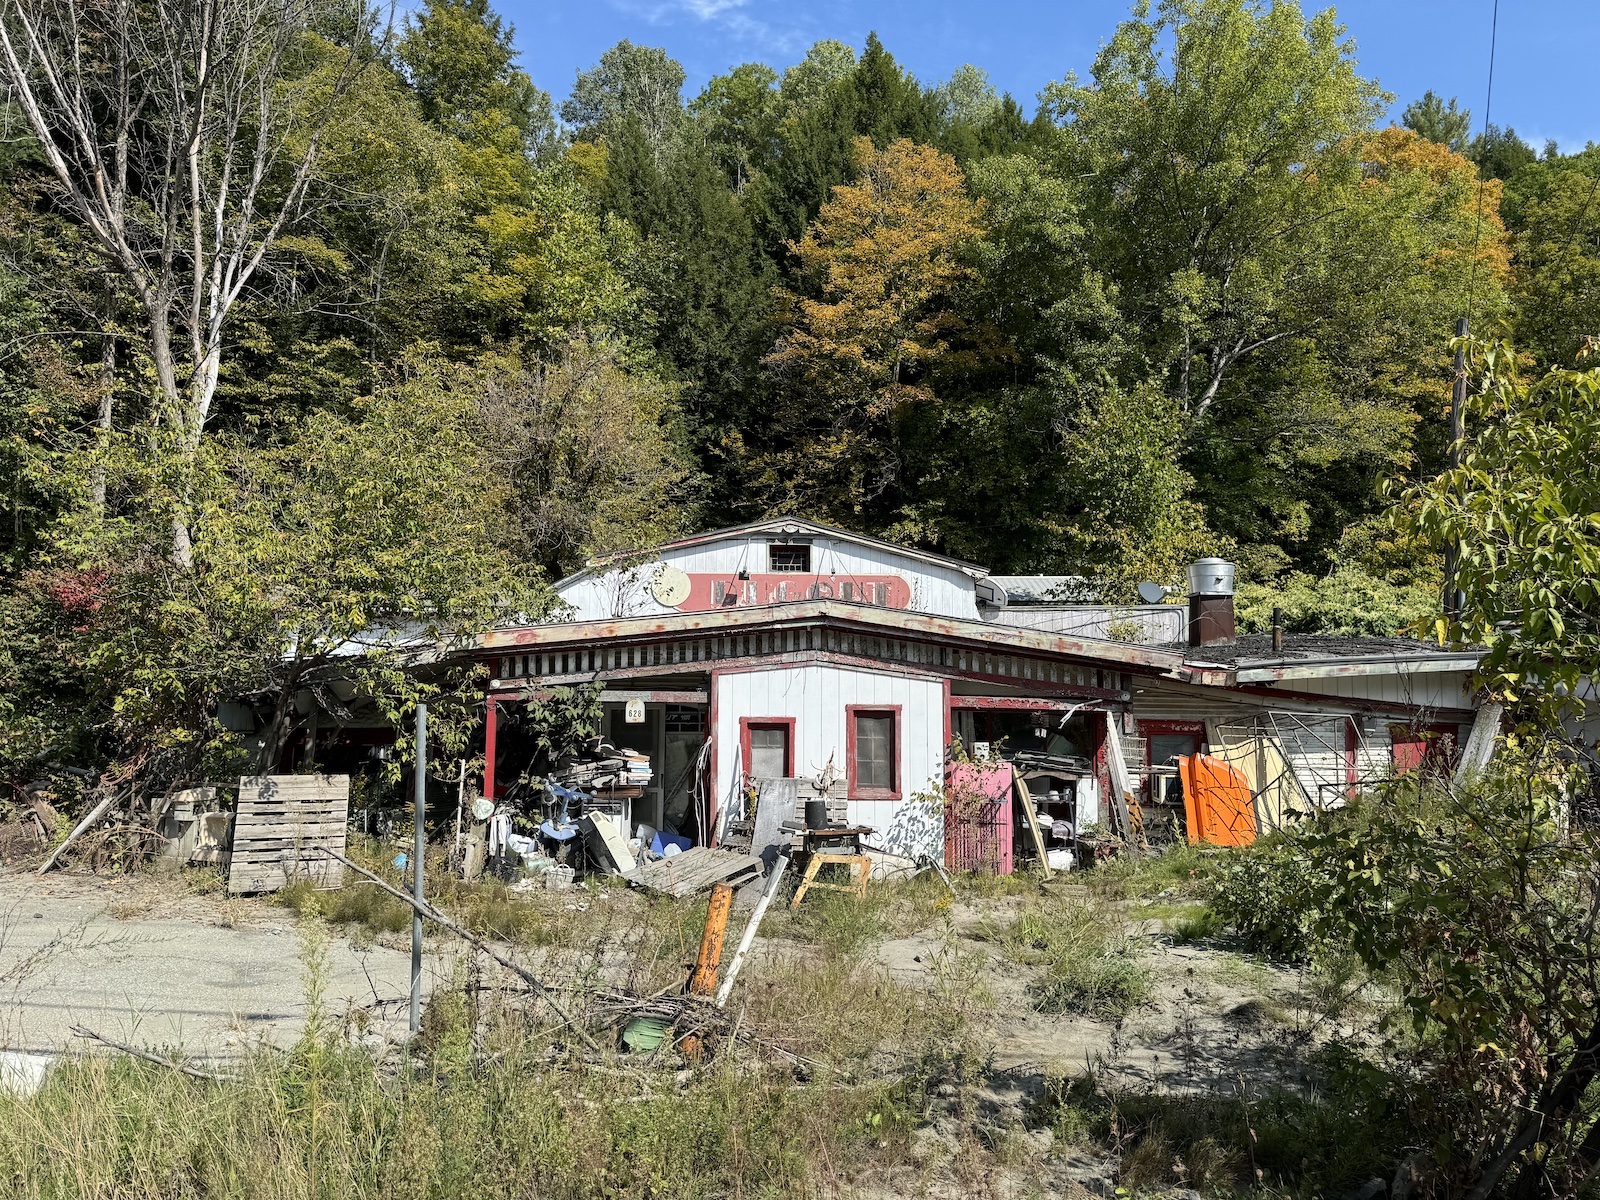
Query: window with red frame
{"x": 874, "y": 752}
{"x": 768, "y": 748}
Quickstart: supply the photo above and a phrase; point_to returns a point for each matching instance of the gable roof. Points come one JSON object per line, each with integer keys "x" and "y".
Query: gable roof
{"x": 796, "y": 527}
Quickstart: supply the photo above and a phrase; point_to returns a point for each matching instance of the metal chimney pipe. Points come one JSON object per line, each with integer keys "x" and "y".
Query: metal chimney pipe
{"x": 1211, "y": 618}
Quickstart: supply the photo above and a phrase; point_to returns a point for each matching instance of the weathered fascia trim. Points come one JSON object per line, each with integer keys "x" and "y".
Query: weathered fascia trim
{"x": 1067, "y": 694}
{"x": 949, "y": 630}
{"x": 1348, "y": 668}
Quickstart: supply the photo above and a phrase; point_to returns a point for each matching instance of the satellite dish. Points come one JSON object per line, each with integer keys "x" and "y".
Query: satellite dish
{"x": 1152, "y": 593}
{"x": 670, "y": 587}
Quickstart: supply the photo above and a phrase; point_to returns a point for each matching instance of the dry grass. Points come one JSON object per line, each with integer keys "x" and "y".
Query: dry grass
{"x": 499, "y": 1099}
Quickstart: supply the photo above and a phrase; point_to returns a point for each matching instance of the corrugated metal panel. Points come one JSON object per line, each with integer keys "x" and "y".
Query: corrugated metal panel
{"x": 1149, "y": 624}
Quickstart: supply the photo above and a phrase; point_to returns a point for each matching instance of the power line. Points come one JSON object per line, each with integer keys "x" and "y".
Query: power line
{"x": 1488, "y": 101}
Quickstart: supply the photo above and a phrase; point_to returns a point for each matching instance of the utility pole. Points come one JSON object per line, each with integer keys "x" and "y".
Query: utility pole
{"x": 419, "y": 848}
{"x": 1458, "y": 430}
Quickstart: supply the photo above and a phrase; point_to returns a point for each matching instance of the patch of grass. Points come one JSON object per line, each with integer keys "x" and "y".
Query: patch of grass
{"x": 1200, "y": 924}
{"x": 1281, "y": 1141}
{"x": 1091, "y": 965}
{"x": 357, "y": 903}
{"x": 840, "y": 923}
{"x": 1179, "y": 868}
{"x": 492, "y": 1104}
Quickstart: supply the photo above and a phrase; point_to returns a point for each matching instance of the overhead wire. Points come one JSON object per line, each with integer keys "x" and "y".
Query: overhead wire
{"x": 1488, "y": 102}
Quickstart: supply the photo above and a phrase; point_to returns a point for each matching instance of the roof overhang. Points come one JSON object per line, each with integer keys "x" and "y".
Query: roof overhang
{"x": 1268, "y": 671}
{"x": 886, "y": 621}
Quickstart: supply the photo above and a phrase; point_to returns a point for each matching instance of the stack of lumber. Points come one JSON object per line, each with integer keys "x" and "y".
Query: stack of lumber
{"x": 281, "y": 826}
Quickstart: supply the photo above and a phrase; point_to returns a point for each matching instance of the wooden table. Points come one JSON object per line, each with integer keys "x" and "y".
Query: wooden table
{"x": 839, "y": 847}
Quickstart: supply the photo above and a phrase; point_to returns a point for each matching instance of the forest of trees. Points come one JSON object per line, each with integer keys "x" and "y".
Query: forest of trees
{"x": 313, "y": 326}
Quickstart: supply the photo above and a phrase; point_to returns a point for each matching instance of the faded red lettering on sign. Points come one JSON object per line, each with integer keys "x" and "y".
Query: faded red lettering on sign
{"x": 711, "y": 591}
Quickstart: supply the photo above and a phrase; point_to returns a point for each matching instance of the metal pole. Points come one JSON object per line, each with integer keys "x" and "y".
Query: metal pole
{"x": 418, "y": 853}
{"x": 1458, "y": 430}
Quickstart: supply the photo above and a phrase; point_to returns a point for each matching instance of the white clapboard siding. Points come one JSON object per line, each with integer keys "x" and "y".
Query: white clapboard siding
{"x": 816, "y": 696}
{"x": 1315, "y": 747}
{"x": 280, "y": 825}
{"x": 1424, "y": 689}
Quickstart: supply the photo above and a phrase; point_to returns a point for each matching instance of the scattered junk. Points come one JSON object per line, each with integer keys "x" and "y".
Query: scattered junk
{"x": 195, "y": 827}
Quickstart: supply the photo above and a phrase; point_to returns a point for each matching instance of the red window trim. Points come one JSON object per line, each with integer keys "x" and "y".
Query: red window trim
{"x": 746, "y": 724}
{"x": 1149, "y": 729}
{"x": 873, "y": 710}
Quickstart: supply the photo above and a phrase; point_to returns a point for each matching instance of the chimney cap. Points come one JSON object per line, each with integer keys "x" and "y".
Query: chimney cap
{"x": 1212, "y": 577}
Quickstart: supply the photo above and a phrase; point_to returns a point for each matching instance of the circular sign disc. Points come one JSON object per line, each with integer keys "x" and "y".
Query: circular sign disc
{"x": 670, "y": 587}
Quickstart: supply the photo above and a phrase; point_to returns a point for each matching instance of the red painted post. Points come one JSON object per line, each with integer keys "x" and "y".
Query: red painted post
{"x": 490, "y": 721}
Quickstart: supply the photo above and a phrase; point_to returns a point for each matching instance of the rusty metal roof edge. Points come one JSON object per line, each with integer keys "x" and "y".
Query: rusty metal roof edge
{"x": 1259, "y": 670}
{"x": 841, "y": 612}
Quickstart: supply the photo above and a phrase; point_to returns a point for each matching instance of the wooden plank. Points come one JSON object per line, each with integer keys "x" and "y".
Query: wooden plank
{"x": 1025, "y": 798}
{"x": 281, "y": 824}
{"x": 694, "y": 870}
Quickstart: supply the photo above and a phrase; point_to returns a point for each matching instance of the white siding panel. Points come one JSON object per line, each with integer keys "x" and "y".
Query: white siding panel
{"x": 944, "y": 591}
{"x": 817, "y": 696}
{"x": 1427, "y": 689}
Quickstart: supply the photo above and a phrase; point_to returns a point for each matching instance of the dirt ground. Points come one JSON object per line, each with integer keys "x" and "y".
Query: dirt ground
{"x": 165, "y": 961}
{"x": 153, "y": 962}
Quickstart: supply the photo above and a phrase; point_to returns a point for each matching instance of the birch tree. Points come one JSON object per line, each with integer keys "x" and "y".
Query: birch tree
{"x": 183, "y": 136}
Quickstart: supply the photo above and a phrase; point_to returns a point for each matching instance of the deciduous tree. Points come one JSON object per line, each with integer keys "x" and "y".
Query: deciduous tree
{"x": 883, "y": 262}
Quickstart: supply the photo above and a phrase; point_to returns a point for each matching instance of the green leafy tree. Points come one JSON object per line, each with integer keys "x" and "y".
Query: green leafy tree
{"x": 1553, "y": 211}
{"x": 738, "y": 115}
{"x": 700, "y": 272}
{"x": 1522, "y": 510}
{"x": 1265, "y": 245}
{"x": 641, "y": 82}
{"x": 1434, "y": 119}
{"x": 827, "y": 63}
{"x": 1500, "y": 153}
{"x": 460, "y": 58}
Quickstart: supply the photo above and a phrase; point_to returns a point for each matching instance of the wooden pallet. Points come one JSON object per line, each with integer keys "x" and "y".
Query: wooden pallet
{"x": 695, "y": 870}
{"x": 281, "y": 824}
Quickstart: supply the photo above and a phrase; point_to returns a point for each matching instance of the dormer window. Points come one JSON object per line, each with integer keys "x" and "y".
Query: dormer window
{"x": 789, "y": 558}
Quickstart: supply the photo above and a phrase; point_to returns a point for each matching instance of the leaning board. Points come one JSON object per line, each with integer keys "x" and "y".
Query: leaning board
{"x": 279, "y": 827}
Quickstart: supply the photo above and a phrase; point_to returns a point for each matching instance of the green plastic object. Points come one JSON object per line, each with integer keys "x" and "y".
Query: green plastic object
{"x": 644, "y": 1034}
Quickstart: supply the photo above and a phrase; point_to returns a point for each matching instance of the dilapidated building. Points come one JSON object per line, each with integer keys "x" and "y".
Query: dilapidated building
{"x": 787, "y": 648}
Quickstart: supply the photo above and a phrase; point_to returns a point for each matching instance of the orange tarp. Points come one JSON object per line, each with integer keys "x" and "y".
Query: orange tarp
{"x": 1217, "y": 802}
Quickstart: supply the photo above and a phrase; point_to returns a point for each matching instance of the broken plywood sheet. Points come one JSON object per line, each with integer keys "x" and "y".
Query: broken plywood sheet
{"x": 281, "y": 825}
{"x": 695, "y": 870}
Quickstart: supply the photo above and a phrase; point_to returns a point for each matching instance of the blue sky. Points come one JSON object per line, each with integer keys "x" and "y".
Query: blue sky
{"x": 1544, "y": 73}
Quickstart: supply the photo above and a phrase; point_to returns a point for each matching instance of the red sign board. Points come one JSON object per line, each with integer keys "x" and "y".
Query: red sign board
{"x": 729, "y": 591}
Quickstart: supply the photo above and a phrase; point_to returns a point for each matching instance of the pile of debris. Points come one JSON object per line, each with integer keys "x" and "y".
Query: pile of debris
{"x": 601, "y": 766}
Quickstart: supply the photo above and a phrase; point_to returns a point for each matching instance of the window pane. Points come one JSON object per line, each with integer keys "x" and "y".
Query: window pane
{"x": 769, "y": 751}
{"x": 790, "y": 558}
{"x": 874, "y": 751}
